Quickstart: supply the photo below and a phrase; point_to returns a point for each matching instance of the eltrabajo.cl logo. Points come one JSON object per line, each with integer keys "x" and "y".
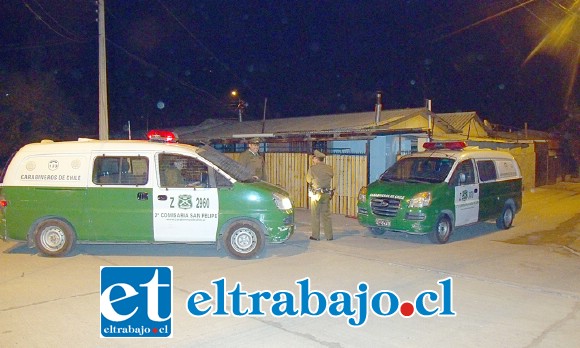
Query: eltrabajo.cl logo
{"x": 136, "y": 301}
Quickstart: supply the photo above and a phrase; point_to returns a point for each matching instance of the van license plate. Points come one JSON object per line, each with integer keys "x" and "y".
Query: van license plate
{"x": 383, "y": 222}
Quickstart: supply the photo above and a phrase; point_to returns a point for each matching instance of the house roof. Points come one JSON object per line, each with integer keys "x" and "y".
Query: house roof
{"x": 457, "y": 120}
{"x": 323, "y": 127}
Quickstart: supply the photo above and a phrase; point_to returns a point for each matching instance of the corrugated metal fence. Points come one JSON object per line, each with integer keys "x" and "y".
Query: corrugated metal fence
{"x": 288, "y": 170}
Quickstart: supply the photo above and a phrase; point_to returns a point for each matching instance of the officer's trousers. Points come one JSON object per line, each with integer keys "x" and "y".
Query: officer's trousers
{"x": 320, "y": 213}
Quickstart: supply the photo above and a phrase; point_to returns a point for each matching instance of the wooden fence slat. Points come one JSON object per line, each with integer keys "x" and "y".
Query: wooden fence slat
{"x": 288, "y": 170}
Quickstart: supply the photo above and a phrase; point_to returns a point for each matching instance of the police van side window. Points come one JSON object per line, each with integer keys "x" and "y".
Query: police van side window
{"x": 464, "y": 174}
{"x": 184, "y": 171}
{"x": 506, "y": 169}
{"x": 120, "y": 170}
{"x": 486, "y": 170}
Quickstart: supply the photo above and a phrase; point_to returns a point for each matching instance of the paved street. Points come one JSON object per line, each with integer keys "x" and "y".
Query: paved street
{"x": 514, "y": 288}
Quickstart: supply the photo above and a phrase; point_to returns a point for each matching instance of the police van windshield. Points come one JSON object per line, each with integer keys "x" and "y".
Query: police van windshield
{"x": 418, "y": 170}
{"x": 228, "y": 165}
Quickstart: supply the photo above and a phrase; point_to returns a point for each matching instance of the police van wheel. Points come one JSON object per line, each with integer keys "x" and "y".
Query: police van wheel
{"x": 442, "y": 230}
{"x": 505, "y": 220}
{"x": 244, "y": 239}
{"x": 376, "y": 231}
{"x": 54, "y": 237}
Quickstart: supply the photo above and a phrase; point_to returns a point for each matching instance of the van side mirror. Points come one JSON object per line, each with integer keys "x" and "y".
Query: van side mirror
{"x": 461, "y": 178}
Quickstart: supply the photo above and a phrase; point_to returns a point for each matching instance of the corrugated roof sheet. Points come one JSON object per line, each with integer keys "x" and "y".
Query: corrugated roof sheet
{"x": 458, "y": 120}
{"x": 352, "y": 122}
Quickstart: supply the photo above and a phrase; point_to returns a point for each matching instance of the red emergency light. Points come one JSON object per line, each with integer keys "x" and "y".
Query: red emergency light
{"x": 162, "y": 135}
{"x": 447, "y": 145}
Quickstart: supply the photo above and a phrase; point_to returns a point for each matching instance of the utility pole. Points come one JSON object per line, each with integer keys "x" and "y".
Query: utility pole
{"x": 431, "y": 124}
{"x": 103, "y": 100}
{"x": 264, "y": 117}
{"x": 378, "y": 107}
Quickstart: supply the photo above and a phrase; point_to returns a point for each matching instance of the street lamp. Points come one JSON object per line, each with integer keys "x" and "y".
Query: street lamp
{"x": 241, "y": 105}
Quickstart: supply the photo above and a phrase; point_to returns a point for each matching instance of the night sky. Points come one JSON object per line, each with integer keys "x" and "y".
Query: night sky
{"x": 175, "y": 62}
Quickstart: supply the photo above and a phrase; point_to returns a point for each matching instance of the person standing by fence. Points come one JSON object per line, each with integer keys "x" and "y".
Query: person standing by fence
{"x": 319, "y": 178}
{"x": 252, "y": 159}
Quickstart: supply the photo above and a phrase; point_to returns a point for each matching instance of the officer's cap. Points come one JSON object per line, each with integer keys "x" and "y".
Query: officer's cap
{"x": 254, "y": 141}
{"x": 319, "y": 154}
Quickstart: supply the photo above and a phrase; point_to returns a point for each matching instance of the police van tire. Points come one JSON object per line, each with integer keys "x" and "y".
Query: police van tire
{"x": 376, "y": 231}
{"x": 505, "y": 220}
{"x": 54, "y": 237}
{"x": 442, "y": 230}
{"x": 244, "y": 239}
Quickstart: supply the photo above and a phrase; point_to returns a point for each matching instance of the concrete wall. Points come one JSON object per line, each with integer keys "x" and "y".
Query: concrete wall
{"x": 347, "y": 146}
{"x": 526, "y": 158}
{"x": 378, "y": 157}
{"x": 383, "y": 151}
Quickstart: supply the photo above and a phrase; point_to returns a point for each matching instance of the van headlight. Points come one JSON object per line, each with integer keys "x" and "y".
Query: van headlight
{"x": 362, "y": 194}
{"x": 420, "y": 200}
{"x": 282, "y": 202}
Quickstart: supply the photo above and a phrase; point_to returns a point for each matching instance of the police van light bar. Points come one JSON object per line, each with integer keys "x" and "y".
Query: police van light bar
{"x": 448, "y": 145}
{"x": 162, "y": 135}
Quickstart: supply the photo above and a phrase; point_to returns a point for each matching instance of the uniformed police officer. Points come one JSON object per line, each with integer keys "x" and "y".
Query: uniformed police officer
{"x": 173, "y": 176}
{"x": 319, "y": 177}
{"x": 253, "y": 160}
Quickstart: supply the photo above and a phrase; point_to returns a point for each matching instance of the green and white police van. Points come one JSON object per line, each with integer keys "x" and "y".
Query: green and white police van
{"x": 446, "y": 186}
{"x": 55, "y": 194}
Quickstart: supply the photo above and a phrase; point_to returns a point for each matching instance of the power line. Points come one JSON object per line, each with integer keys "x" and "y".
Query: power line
{"x": 57, "y": 22}
{"x": 39, "y": 17}
{"x": 486, "y": 19}
{"x": 200, "y": 43}
{"x": 563, "y": 8}
{"x": 456, "y": 20}
{"x": 166, "y": 75}
{"x": 568, "y": 12}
